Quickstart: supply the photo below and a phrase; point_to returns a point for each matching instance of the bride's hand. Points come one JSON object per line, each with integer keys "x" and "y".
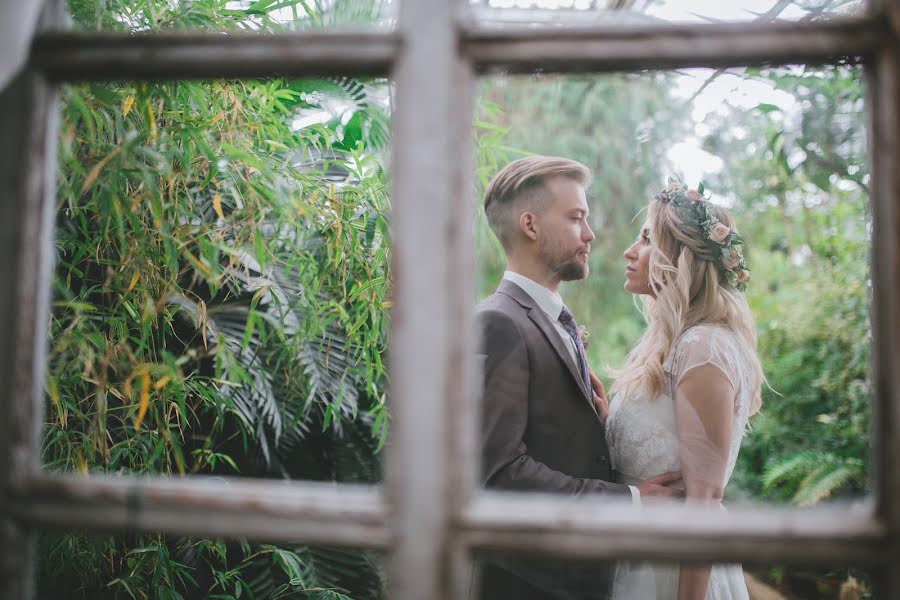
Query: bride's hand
{"x": 600, "y": 401}
{"x": 667, "y": 485}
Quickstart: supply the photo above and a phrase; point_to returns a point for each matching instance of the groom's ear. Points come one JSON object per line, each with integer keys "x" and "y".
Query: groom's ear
{"x": 528, "y": 225}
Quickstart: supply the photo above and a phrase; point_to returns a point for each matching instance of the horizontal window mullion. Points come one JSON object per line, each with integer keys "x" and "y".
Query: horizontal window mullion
{"x": 195, "y": 55}
{"x": 631, "y": 48}
{"x": 264, "y": 510}
{"x": 591, "y": 528}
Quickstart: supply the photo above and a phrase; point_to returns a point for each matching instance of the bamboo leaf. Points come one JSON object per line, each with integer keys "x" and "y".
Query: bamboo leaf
{"x": 133, "y": 282}
{"x": 144, "y": 400}
{"x": 127, "y": 104}
{"x": 97, "y": 168}
{"x": 217, "y": 206}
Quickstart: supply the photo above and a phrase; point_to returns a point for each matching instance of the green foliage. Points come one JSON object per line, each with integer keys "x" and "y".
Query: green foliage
{"x": 800, "y": 183}
{"x": 219, "y": 308}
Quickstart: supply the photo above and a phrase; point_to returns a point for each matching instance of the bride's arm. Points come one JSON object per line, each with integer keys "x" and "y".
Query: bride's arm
{"x": 704, "y": 410}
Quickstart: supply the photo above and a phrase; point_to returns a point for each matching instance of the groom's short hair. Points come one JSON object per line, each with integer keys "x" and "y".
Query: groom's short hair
{"x": 520, "y": 185}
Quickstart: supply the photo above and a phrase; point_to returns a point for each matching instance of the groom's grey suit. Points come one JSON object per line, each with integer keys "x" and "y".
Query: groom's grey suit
{"x": 539, "y": 433}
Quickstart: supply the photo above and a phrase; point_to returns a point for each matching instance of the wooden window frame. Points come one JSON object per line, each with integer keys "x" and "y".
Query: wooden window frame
{"x": 429, "y": 515}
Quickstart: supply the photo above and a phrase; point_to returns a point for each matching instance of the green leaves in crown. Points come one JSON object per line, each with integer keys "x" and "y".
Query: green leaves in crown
{"x": 698, "y": 212}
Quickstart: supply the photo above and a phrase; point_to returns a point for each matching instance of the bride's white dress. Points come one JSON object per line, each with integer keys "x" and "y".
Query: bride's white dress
{"x": 648, "y": 437}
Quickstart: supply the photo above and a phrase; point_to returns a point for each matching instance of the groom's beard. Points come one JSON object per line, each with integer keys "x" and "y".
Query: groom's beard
{"x": 564, "y": 263}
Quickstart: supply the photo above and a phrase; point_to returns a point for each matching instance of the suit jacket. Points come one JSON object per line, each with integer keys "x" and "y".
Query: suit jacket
{"x": 540, "y": 432}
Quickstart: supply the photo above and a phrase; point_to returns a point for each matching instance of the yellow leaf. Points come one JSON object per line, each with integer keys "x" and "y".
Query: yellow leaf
{"x": 81, "y": 463}
{"x": 206, "y": 271}
{"x": 387, "y": 304}
{"x": 201, "y": 321}
{"x": 151, "y": 118}
{"x": 259, "y": 293}
{"x": 145, "y": 400}
{"x": 126, "y": 106}
{"x": 161, "y": 383}
{"x": 134, "y": 280}
{"x": 53, "y": 390}
{"x": 95, "y": 171}
{"x": 217, "y": 206}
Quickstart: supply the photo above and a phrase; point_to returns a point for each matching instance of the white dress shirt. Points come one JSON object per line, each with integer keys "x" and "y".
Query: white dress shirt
{"x": 551, "y": 303}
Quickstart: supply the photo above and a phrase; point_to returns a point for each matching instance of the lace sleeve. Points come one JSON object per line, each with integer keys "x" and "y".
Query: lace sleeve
{"x": 704, "y": 379}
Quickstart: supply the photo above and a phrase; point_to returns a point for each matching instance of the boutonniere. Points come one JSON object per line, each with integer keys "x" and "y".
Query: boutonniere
{"x": 583, "y": 335}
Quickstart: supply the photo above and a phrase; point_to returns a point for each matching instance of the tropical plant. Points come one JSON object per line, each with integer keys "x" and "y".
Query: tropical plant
{"x": 219, "y": 308}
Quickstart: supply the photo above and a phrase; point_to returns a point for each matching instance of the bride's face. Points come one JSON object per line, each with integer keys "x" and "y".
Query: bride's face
{"x": 637, "y": 269}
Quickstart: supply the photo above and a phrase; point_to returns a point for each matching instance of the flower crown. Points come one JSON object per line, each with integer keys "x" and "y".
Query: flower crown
{"x": 724, "y": 243}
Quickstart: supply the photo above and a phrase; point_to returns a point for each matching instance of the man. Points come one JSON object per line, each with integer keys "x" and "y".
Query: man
{"x": 542, "y": 417}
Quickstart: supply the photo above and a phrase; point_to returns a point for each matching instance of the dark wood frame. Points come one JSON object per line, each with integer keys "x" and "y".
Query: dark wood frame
{"x": 429, "y": 516}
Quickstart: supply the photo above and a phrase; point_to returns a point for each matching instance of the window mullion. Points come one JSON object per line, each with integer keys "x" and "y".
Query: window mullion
{"x": 617, "y": 48}
{"x": 429, "y": 321}
{"x": 28, "y": 120}
{"x": 74, "y": 56}
{"x": 263, "y": 510}
{"x": 586, "y": 528}
{"x": 884, "y": 100}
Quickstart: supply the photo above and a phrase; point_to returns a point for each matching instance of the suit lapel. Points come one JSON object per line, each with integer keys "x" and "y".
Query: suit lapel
{"x": 540, "y": 318}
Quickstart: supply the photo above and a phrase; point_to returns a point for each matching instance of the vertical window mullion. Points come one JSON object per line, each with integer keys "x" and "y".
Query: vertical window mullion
{"x": 431, "y": 296}
{"x": 884, "y": 94}
{"x": 28, "y": 120}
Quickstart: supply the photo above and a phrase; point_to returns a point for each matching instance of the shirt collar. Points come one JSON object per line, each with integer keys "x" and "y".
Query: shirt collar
{"x": 549, "y": 301}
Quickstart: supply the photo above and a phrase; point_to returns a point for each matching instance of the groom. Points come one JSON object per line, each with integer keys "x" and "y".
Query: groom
{"x": 542, "y": 420}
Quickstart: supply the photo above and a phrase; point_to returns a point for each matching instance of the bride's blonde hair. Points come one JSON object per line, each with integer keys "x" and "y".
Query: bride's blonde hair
{"x": 691, "y": 287}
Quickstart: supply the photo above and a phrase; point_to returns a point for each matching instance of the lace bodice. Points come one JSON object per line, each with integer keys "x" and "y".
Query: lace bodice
{"x": 648, "y": 437}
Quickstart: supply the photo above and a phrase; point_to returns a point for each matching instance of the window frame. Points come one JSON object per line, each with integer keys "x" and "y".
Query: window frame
{"x": 428, "y": 516}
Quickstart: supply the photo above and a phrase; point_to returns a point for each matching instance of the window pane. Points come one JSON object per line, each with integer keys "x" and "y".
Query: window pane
{"x": 78, "y": 565}
{"x": 659, "y": 12}
{"x": 784, "y": 151}
{"x": 221, "y": 291}
{"x": 231, "y": 15}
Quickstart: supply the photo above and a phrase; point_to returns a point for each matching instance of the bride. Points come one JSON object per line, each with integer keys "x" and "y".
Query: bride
{"x": 683, "y": 397}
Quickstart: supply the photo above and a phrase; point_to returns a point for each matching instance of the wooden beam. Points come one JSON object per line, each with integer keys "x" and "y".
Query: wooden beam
{"x": 596, "y": 529}
{"x": 632, "y": 48}
{"x": 430, "y": 343}
{"x": 884, "y": 129}
{"x": 195, "y": 55}
{"x": 28, "y": 120}
{"x": 263, "y": 510}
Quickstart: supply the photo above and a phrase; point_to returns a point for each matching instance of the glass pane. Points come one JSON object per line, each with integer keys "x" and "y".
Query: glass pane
{"x": 220, "y": 295}
{"x": 783, "y": 150}
{"x": 231, "y": 15}
{"x": 658, "y": 12}
{"x": 79, "y": 565}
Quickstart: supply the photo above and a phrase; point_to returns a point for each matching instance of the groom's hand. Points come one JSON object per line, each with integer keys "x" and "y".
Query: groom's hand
{"x": 661, "y": 486}
{"x": 600, "y": 402}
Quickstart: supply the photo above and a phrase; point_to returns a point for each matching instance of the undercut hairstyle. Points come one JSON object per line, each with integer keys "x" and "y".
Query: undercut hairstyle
{"x": 521, "y": 186}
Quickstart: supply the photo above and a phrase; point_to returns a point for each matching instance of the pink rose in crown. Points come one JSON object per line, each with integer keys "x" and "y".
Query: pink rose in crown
{"x": 693, "y": 195}
{"x": 719, "y": 233}
{"x": 733, "y": 261}
{"x": 743, "y": 276}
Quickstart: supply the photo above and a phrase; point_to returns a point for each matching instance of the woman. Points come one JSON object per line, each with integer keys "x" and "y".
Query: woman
{"x": 683, "y": 397}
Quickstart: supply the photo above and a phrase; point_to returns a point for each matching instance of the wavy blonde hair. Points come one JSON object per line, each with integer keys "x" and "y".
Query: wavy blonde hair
{"x": 691, "y": 288}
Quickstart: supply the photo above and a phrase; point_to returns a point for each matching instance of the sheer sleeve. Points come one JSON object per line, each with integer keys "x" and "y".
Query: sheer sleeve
{"x": 704, "y": 379}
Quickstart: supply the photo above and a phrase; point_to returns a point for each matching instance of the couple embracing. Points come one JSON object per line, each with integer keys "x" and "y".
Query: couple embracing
{"x": 680, "y": 403}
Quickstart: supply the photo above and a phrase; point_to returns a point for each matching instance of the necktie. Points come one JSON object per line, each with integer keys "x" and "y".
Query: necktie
{"x": 568, "y": 322}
